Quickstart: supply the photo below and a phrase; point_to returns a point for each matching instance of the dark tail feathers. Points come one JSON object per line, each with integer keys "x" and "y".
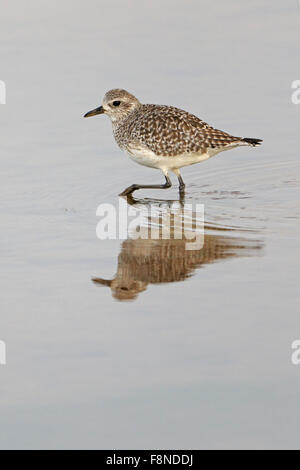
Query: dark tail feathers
{"x": 251, "y": 141}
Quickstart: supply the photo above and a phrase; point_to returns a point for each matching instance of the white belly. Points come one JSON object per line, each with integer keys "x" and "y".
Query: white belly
{"x": 148, "y": 158}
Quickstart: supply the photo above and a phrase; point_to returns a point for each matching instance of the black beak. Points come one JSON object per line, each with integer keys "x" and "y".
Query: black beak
{"x": 94, "y": 112}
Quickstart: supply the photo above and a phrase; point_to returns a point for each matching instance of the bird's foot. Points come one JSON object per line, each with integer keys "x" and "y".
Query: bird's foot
{"x": 129, "y": 190}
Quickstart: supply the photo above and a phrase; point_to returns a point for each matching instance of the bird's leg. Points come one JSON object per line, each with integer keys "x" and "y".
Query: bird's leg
{"x": 134, "y": 187}
{"x": 181, "y": 182}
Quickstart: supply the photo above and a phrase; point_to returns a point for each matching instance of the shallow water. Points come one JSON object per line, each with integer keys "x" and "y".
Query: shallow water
{"x": 176, "y": 348}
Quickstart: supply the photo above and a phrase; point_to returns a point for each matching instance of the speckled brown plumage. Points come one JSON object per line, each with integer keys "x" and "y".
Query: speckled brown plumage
{"x": 163, "y": 137}
{"x": 169, "y": 131}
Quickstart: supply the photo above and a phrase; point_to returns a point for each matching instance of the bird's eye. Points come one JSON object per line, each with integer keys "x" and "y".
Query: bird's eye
{"x": 116, "y": 103}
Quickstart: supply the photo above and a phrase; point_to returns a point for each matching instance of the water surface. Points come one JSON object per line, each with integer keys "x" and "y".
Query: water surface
{"x": 170, "y": 348}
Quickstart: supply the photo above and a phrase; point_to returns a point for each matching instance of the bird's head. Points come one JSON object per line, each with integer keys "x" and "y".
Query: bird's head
{"x": 117, "y": 104}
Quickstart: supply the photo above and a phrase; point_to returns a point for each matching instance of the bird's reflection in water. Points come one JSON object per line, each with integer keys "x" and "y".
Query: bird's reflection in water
{"x": 144, "y": 261}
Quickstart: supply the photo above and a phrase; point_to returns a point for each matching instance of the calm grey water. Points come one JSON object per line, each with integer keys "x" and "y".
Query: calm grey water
{"x": 195, "y": 350}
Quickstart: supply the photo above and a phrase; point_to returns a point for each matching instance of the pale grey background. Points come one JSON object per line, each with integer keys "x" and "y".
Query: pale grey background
{"x": 204, "y": 363}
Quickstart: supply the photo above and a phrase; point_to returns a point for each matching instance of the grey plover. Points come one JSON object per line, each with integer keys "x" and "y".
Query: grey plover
{"x": 163, "y": 137}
